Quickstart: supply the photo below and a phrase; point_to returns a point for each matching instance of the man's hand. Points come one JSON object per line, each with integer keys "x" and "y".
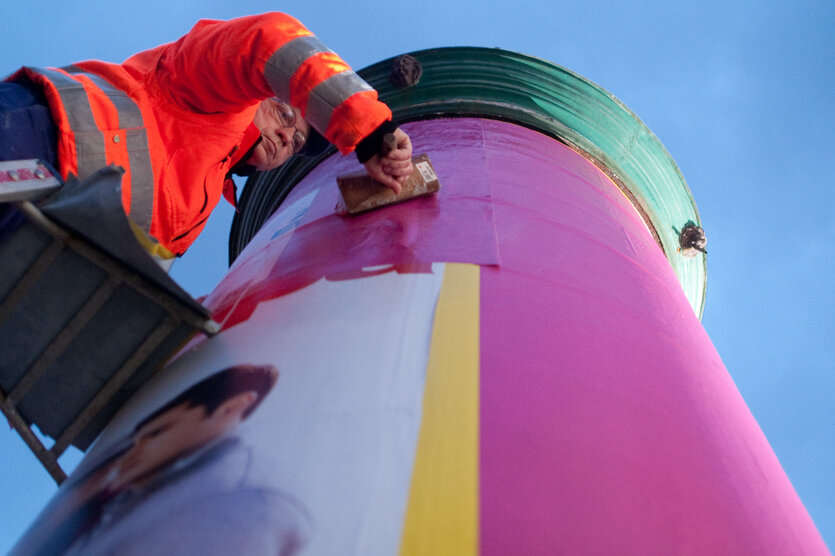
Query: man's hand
{"x": 393, "y": 169}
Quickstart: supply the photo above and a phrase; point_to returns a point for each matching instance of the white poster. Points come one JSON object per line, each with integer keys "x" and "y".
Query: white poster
{"x": 291, "y": 432}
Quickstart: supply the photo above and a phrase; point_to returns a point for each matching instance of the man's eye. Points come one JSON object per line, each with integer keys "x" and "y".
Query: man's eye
{"x": 156, "y": 432}
{"x": 286, "y": 115}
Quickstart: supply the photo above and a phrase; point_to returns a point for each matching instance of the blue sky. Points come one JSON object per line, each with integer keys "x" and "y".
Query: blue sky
{"x": 740, "y": 93}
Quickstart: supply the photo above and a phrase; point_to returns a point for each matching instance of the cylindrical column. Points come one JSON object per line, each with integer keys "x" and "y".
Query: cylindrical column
{"x": 512, "y": 367}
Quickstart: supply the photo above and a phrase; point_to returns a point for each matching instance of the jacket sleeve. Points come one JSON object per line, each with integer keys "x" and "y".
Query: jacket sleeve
{"x": 226, "y": 66}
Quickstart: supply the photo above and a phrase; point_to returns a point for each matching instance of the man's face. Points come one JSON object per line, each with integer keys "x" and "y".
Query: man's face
{"x": 283, "y": 133}
{"x": 174, "y": 433}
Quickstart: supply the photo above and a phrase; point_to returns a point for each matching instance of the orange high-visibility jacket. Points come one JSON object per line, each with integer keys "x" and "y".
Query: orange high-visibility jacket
{"x": 175, "y": 116}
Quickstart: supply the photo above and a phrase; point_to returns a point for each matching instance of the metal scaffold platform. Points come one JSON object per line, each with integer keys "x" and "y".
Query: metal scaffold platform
{"x": 86, "y": 315}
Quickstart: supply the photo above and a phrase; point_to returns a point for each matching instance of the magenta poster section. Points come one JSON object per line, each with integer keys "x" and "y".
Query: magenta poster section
{"x": 320, "y": 465}
{"x": 608, "y": 421}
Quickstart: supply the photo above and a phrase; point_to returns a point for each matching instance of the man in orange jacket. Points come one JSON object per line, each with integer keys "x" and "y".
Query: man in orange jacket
{"x": 229, "y": 96}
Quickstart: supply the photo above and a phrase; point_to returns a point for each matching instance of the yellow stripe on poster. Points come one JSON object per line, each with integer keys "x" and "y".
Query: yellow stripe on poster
{"x": 442, "y": 515}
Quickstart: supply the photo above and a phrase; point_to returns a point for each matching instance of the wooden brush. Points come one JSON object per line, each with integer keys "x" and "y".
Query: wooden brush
{"x": 361, "y": 193}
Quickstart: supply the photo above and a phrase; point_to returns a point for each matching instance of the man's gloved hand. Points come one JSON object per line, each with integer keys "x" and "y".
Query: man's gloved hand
{"x": 394, "y": 168}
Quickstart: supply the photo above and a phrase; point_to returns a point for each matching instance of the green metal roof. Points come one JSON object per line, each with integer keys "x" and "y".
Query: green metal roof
{"x": 494, "y": 83}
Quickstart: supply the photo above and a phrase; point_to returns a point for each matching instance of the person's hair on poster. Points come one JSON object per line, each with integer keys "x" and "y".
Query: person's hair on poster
{"x": 181, "y": 483}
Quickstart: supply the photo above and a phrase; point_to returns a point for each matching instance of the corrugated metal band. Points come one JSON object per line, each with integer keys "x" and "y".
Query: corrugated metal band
{"x": 285, "y": 61}
{"x": 90, "y": 141}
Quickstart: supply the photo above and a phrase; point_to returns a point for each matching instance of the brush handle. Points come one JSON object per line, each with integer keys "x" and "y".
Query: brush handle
{"x": 389, "y": 144}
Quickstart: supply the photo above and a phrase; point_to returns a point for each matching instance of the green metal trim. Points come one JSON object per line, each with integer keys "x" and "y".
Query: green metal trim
{"x": 494, "y": 83}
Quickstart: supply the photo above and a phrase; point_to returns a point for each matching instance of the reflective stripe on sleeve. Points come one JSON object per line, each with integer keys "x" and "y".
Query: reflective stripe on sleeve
{"x": 129, "y": 113}
{"x": 285, "y": 61}
{"x": 89, "y": 140}
{"x": 139, "y": 156}
{"x": 329, "y": 94}
{"x": 142, "y": 178}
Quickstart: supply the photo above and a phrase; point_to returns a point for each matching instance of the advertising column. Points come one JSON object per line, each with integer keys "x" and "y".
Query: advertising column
{"x": 511, "y": 366}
